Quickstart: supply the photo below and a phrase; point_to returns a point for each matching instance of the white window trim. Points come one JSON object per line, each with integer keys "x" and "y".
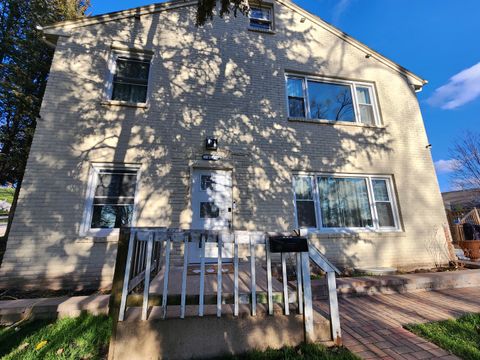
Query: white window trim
{"x": 85, "y": 229}
{"x": 112, "y": 68}
{"x": 316, "y": 199}
{"x": 352, "y": 84}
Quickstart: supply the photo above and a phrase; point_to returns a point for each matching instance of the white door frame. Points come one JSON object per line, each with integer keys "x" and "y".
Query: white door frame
{"x": 214, "y": 187}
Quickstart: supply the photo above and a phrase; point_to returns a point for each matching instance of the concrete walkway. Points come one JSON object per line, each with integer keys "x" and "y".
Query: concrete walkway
{"x": 372, "y": 325}
{"x": 14, "y": 310}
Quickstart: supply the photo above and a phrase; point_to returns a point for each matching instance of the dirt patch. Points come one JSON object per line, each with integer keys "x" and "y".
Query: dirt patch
{"x": 449, "y": 268}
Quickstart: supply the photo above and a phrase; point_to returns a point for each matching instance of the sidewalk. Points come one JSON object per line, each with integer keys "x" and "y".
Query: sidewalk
{"x": 14, "y": 310}
{"x": 372, "y": 325}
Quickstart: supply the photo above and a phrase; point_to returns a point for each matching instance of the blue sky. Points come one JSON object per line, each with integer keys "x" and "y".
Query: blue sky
{"x": 436, "y": 39}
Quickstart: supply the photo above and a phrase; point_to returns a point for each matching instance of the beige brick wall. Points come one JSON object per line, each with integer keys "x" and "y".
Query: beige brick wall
{"x": 226, "y": 81}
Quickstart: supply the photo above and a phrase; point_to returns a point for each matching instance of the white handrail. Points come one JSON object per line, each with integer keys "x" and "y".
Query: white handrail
{"x": 321, "y": 260}
{"x": 143, "y": 242}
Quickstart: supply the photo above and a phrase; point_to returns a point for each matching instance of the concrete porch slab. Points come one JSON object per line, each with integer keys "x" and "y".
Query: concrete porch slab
{"x": 193, "y": 280}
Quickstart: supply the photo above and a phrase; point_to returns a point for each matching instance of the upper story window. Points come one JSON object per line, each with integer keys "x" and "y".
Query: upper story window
{"x": 330, "y": 202}
{"x": 331, "y": 100}
{"x": 130, "y": 80}
{"x": 261, "y": 17}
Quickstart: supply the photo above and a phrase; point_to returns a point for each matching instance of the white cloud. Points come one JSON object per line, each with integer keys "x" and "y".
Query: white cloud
{"x": 445, "y": 166}
{"x": 339, "y": 9}
{"x": 461, "y": 89}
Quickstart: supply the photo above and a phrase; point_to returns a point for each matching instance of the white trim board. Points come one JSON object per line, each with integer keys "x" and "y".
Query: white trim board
{"x": 85, "y": 226}
{"x": 372, "y": 203}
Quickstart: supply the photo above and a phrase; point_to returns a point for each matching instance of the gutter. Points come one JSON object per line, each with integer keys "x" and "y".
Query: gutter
{"x": 44, "y": 38}
{"x": 50, "y": 37}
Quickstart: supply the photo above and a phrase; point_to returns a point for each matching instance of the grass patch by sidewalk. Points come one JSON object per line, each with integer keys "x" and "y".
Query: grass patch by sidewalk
{"x": 84, "y": 337}
{"x": 459, "y": 336}
{"x": 305, "y": 351}
{"x": 7, "y": 194}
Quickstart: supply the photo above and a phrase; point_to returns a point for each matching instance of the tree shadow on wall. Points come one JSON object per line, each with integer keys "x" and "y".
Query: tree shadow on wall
{"x": 218, "y": 80}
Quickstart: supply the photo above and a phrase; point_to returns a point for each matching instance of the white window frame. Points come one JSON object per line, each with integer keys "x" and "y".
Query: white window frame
{"x": 264, "y": 5}
{"x": 353, "y": 88}
{"x": 85, "y": 228}
{"x": 112, "y": 69}
{"x": 371, "y": 200}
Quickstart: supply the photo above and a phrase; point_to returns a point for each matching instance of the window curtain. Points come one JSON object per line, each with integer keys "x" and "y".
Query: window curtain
{"x": 344, "y": 202}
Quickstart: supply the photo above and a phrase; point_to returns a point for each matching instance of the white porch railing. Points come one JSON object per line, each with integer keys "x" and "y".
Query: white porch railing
{"x": 150, "y": 250}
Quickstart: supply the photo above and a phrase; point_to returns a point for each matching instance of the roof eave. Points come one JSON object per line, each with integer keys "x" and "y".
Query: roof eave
{"x": 117, "y": 15}
{"x": 344, "y": 36}
{"x": 61, "y": 29}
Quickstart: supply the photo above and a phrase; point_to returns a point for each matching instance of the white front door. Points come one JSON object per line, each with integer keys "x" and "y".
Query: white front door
{"x": 211, "y": 208}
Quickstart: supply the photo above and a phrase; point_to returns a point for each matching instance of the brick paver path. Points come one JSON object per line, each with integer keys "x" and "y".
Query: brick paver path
{"x": 372, "y": 325}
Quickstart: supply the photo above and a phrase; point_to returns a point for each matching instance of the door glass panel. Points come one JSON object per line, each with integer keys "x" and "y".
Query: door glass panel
{"x": 208, "y": 210}
{"x": 206, "y": 182}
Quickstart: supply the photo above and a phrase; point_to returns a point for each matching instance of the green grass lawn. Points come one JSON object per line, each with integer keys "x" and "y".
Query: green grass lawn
{"x": 7, "y": 194}
{"x": 85, "y": 337}
{"x": 310, "y": 352}
{"x": 459, "y": 336}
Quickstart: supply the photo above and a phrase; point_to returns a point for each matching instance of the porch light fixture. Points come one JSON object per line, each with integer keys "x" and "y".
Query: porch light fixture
{"x": 211, "y": 144}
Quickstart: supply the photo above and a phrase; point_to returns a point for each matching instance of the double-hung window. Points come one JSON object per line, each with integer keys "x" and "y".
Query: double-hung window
{"x": 329, "y": 202}
{"x": 304, "y": 201}
{"x": 130, "y": 79}
{"x": 261, "y": 17}
{"x": 331, "y": 100}
{"x": 111, "y": 200}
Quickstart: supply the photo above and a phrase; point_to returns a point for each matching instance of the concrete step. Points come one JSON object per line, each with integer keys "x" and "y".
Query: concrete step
{"x": 389, "y": 284}
{"x": 210, "y": 336}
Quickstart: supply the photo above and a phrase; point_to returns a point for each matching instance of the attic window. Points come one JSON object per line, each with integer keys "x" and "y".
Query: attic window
{"x": 261, "y": 18}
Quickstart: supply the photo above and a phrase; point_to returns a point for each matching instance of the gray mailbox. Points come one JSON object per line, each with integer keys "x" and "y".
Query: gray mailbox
{"x": 286, "y": 244}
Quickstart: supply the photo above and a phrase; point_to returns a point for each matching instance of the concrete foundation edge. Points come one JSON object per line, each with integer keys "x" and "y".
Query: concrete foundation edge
{"x": 193, "y": 338}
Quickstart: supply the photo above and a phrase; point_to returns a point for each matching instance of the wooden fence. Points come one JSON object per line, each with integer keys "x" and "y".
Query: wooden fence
{"x": 456, "y": 219}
